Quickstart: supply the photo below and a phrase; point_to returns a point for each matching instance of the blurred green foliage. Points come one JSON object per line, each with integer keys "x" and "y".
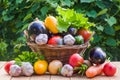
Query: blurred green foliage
{"x": 15, "y": 15}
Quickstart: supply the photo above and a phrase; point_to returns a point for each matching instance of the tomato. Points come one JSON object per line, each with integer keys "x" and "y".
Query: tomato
{"x": 85, "y": 34}
{"x": 7, "y": 66}
{"x": 40, "y": 66}
{"x": 55, "y": 40}
{"x": 76, "y": 60}
{"x": 109, "y": 69}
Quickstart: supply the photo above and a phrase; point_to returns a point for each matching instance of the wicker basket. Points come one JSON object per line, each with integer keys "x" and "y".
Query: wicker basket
{"x": 59, "y": 52}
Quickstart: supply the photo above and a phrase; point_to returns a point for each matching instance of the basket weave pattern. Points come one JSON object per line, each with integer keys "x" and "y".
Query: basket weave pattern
{"x": 59, "y": 52}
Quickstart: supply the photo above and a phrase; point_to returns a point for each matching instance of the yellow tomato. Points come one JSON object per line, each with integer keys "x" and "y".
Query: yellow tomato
{"x": 40, "y": 66}
{"x": 51, "y": 24}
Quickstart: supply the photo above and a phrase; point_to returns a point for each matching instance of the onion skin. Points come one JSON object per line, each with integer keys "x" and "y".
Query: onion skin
{"x": 54, "y": 66}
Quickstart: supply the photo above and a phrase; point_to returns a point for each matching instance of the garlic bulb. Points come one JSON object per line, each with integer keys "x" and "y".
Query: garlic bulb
{"x": 69, "y": 39}
{"x": 41, "y": 39}
{"x": 27, "y": 69}
{"x": 67, "y": 70}
{"x": 15, "y": 70}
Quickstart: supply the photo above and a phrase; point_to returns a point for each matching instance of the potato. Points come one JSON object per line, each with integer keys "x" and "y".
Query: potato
{"x": 54, "y": 66}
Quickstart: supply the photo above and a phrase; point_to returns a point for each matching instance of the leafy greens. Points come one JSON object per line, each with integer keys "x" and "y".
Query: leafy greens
{"x": 69, "y": 17}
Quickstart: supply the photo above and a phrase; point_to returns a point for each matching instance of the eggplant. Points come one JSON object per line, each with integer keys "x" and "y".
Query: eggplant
{"x": 72, "y": 31}
{"x": 97, "y": 55}
{"x": 36, "y": 27}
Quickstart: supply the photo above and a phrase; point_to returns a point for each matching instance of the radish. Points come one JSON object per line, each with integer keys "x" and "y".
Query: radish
{"x": 76, "y": 60}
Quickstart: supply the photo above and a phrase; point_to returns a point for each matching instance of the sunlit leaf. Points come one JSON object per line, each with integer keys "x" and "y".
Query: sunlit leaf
{"x": 87, "y": 1}
{"x": 66, "y": 2}
{"x": 18, "y": 1}
{"x": 100, "y": 28}
{"x": 117, "y": 28}
{"x": 102, "y": 12}
{"x": 27, "y": 16}
{"x": 111, "y": 21}
{"x": 7, "y": 18}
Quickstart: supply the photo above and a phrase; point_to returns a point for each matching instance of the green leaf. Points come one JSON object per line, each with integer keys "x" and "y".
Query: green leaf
{"x": 97, "y": 38}
{"x": 111, "y": 21}
{"x": 18, "y": 1}
{"x": 23, "y": 28}
{"x": 7, "y": 18}
{"x": 111, "y": 42}
{"x": 100, "y": 4}
{"x": 91, "y": 13}
{"x": 66, "y": 2}
{"x": 44, "y": 10}
{"x": 87, "y": 1}
{"x": 3, "y": 47}
{"x": 29, "y": 57}
{"x": 35, "y": 7}
{"x": 109, "y": 30}
{"x": 102, "y": 12}
{"x": 117, "y": 28}
{"x": 100, "y": 28}
{"x": 62, "y": 26}
{"x": 27, "y": 16}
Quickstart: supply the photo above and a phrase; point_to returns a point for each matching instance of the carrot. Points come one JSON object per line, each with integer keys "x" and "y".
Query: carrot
{"x": 94, "y": 70}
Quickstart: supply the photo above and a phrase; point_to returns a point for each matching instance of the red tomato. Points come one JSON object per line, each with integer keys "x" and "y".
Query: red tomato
{"x": 55, "y": 40}
{"x": 76, "y": 60}
{"x": 85, "y": 34}
{"x": 7, "y": 66}
{"x": 109, "y": 69}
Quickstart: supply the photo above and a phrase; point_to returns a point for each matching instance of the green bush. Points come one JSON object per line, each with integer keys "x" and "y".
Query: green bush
{"x": 15, "y": 15}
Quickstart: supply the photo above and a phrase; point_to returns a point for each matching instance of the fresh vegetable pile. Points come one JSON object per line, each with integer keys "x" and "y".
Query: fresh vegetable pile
{"x": 67, "y": 28}
{"x": 95, "y": 65}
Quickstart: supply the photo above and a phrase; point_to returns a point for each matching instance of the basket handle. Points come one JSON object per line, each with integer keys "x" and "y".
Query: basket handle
{"x": 29, "y": 39}
{"x": 87, "y": 44}
{"x": 90, "y": 37}
{"x": 26, "y": 34}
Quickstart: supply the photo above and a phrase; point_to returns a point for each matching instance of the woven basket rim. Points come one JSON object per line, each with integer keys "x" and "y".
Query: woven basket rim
{"x": 47, "y": 46}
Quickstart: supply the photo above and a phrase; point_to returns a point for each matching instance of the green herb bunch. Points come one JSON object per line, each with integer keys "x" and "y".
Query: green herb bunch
{"x": 27, "y": 56}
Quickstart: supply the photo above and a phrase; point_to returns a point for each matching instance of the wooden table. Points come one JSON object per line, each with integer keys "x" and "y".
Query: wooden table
{"x": 5, "y": 76}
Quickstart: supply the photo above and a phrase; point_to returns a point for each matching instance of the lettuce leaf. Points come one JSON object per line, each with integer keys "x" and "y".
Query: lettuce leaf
{"x": 69, "y": 17}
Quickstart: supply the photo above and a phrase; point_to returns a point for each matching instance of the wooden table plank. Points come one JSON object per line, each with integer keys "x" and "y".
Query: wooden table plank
{"x": 59, "y": 77}
{"x": 3, "y": 74}
{"x": 21, "y": 78}
{"x": 40, "y": 77}
{"x": 2, "y": 64}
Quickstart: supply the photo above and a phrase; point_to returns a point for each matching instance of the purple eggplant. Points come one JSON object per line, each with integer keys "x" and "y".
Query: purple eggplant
{"x": 36, "y": 28}
{"x": 72, "y": 31}
{"x": 97, "y": 55}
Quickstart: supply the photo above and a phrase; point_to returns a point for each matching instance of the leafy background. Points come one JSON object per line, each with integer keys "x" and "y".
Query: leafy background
{"x": 15, "y": 15}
